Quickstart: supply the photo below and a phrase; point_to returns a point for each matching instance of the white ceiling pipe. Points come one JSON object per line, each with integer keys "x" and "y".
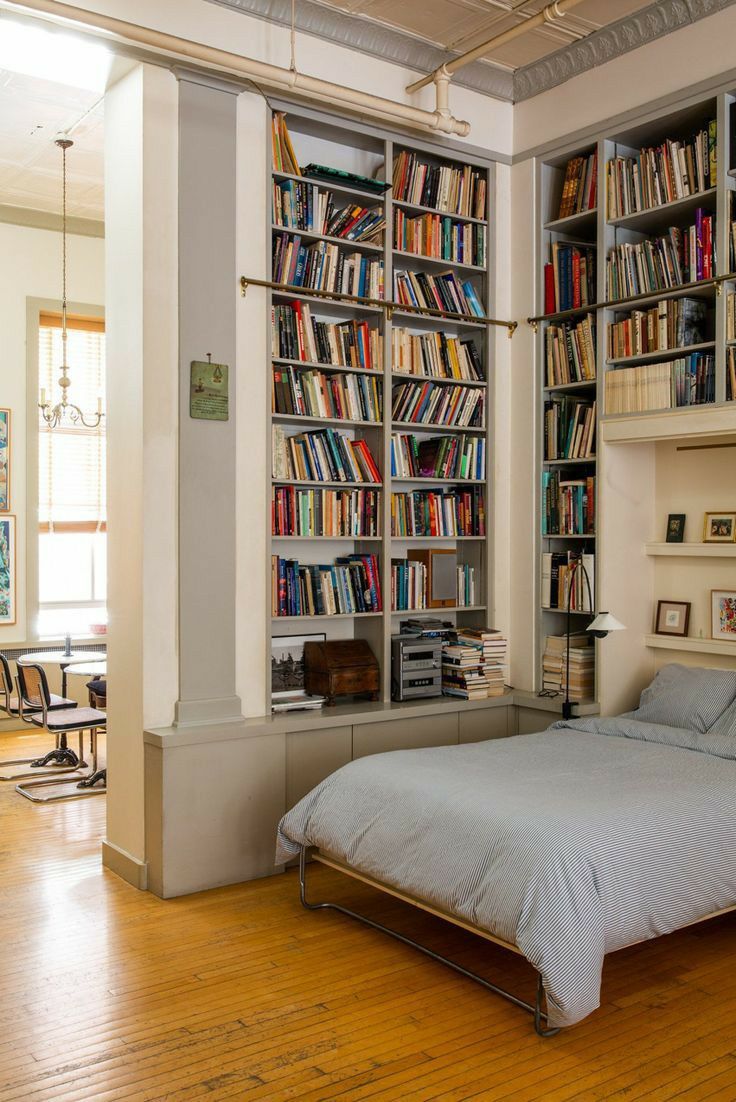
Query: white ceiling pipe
{"x": 272, "y": 76}
{"x": 549, "y": 14}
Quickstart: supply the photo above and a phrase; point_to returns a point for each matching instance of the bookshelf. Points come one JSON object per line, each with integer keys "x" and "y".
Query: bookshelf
{"x": 680, "y": 320}
{"x": 461, "y": 404}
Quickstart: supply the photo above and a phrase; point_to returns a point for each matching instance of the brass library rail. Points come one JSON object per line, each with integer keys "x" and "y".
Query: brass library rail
{"x": 384, "y": 304}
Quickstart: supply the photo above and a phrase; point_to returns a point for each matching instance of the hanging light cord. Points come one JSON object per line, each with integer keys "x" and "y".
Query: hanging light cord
{"x": 292, "y": 63}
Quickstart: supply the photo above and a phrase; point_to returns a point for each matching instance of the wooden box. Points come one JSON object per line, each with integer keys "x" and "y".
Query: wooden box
{"x": 441, "y": 564}
{"x": 341, "y": 667}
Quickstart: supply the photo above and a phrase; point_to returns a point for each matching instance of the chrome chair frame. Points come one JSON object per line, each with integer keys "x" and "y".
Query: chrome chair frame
{"x": 64, "y": 760}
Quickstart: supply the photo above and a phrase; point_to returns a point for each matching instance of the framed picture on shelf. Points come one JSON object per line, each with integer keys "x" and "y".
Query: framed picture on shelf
{"x": 675, "y": 528}
{"x": 719, "y": 527}
{"x": 287, "y": 661}
{"x": 4, "y": 460}
{"x": 723, "y": 614}
{"x": 7, "y": 569}
{"x": 673, "y": 618}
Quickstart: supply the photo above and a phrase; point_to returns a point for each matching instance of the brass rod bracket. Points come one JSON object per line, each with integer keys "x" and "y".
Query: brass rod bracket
{"x": 535, "y": 325}
{"x": 512, "y": 327}
{"x": 243, "y": 286}
{"x": 719, "y": 289}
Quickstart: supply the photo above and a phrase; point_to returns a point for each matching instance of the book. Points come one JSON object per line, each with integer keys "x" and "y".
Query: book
{"x": 569, "y": 276}
{"x": 660, "y": 174}
{"x": 325, "y": 267}
{"x": 350, "y": 585}
{"x": 444, "y": 292}
{"x": 557, "y": 569}
{"x": 297, "y": 335}
{"x": 301, "y": 511}
{"x": 568, "y": 505}
{"x": 689, "y": 381}
{"x": 409, "y": 585}
{"x": 581, "y": 665}
{"x": 321, "y": 456}
{"x": 348, "y": 179}
{"x": 310, "y": 393}
{"x": 284, "y": 157}
{"x": 569, "y": 427}
{"x": 451, "y": 457}
{"x": 570, "y": 355}
{"x": 473, "y": 663}
{"x": 579, "y": 188}
{"x": 439, "y": 512}
{"x": 659, "y": 263}
{"x": 457, "y": 189}
{"x": 428, "y": 403}
{"x": 436, "y": 355}
{"x": 441, "y": 237}
{"x": 672, "y": 323}
{"x": 305, "y": 206}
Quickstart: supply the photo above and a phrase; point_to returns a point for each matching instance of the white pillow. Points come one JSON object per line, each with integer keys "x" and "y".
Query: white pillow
{"x": 687, "y": 696}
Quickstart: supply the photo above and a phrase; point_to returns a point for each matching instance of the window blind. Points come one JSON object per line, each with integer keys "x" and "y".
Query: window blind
{"x": 71, "y": 459}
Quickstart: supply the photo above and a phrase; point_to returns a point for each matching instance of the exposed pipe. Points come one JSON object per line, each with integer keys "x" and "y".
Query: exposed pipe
{"x": 549, "y": 14}
{"x": 272, "y": 76}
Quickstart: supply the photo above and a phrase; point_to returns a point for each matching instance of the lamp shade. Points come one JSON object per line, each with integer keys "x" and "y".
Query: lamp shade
{"x": 605, "y": 622}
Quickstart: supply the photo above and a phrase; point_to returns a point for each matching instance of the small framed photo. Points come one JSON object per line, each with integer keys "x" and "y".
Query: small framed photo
{"x": 719, "y": 527}
{"x": 675, "y": 528}
{"x": 723, "y": 614}
{"x": 287, "y": 662}
{"x": 673, "y": 618}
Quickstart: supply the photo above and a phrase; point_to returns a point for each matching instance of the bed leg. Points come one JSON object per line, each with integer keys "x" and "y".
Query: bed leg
{"x": 540, "y": 1016}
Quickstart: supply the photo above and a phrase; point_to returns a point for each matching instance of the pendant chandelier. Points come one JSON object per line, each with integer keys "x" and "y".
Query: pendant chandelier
{"x": 65, "y": 412}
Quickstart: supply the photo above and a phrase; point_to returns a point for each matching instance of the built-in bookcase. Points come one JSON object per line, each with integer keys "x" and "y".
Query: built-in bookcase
{"x": 684, "y": 321}
{"x": 465, "y": 243}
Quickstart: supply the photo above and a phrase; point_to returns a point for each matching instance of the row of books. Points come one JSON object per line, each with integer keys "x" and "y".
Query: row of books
{"x": 679, "y": 256}
{"x": 282, "y": 150}
{"x": 441, "y": 292}
{"x": 660, "y": 174}
{"x": 296, "y": 335}
{"x": 326, "y": 267}
{"x": 432, "y": 404}
{"x": 436, "y": 355}
{"x": 349, "y": 585}
{"x": 306, "y": 512}
{"x": 562, "y": 577}
{"x": 570, "y": 277}
{"x": 305, "y": 206}
{"x": 570, "y": 352}
{"x": 314, "y": 394}
{"x": 456, "y": 457}
{"x": 569, "y": 427}
{"x": 457, "y": 190}
{"x": 579, "y": 188}
{"x": 440, "y": 237}
{"x": 689, "y": 381}
{"x": 672, "y": 323}
{"x": 322, "y": 456}
{"x": 581, "y": 666}
{"x": 731, "y": 316}
{"x": 568, "y": 505}
{"x": 474, "y": 663}
{"x": 409, "y": 585}
{"x": 439, "y": 513}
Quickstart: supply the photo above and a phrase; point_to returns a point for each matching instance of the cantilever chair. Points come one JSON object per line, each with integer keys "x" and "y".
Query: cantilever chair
{"x": 12, "y": 703}
{"x": 34, "y": 688}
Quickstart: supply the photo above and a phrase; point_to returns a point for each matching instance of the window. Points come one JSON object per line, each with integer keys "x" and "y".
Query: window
{"x": 72, "y": 528}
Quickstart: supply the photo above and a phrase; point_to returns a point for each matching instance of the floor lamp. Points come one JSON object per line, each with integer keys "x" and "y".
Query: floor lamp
{"x": 599, "y": 628}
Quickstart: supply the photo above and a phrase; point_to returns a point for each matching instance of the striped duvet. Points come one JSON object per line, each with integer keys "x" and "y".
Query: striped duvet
{"x": 571, "y": 843}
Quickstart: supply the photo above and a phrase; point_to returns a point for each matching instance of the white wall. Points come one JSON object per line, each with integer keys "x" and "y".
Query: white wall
{"x": 31, "y": 268}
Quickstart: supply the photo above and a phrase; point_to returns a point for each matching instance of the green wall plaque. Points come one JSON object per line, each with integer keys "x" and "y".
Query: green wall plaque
{"x": 208, "y": 393}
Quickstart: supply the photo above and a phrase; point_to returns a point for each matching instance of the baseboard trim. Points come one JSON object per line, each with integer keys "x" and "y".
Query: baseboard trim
{"x": 125, "y": 866}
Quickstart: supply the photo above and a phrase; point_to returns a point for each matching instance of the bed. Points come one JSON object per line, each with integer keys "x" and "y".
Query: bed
{"x": 565, "y": 845}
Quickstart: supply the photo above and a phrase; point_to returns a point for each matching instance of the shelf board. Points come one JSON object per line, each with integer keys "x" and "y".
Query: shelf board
{"x": 547, "y": 536}
{"x": 307, "y": 365}
{"x": 584, "y": 384}
{"x": 700, "y": 646}
{"x": 699, "y": 288}
{"x": 568, "y": 462}
{"x": 421, "y": 479}
{"x": 327, "y": 485}
{"x": 326, "y": 616}
{"x": 572, "y": 221}
{"x": 299, "y": 419}
{"x": 714, "y": 419}
{"x": 405, "y": 376}
{"x": 419, "y": 426}
{"x": 419, "y": 209}
{"x": 321, "y": 305}
{"x": 345, "y": 242}
{"x": 573, "y": 612}
{"x": 435, "y": 611}
{"x": 425, "y": 321}
{"x": 440, "y": 539}
{"x": 691, "y": 550}
{"x": 661, "y": 354}
{"x": 438, "y": 262}
{"x": 342, "y": 189}
{"x": 332, "y": 539}
{"x": 656, "y": 217}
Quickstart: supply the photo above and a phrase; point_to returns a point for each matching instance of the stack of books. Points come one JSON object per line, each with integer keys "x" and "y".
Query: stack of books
{"x": 441, "y": 292}
{"x": 689, "y": 381}
{"x": 350, "y": 585}
{"x": 304, "y": 206}
{"x": 322, "y": 456}
{"x": 455, "y": 457}
{"x": 661, "y": 174}
{"x": 284, "y": 157}
{"x": 570, "y": 277}
{"x": 579, "y": 187}
{"x": 460, "y": 190}
{"x": 325, "y": 267}
{"x": 473, "y": 663}
{"x": 582, "y": 666}
{"x": 431, "y": 404}
{"x": 673, "y": 323}
{"x": 435, "y": 355}
{"x": 440, "y": 237}
{"x": 317, "y": 512}
{"x": 557, "y": 569}
{"x": 679, "y": 256}
{"x": 569, "y": 427}
{"x": 314, "y": 394}
{"x": 439, "y": 513}
{"x": 568, "y": 505}
{"x": 570, "y": 352}
{"x": 296, "y": 335}
{"x": 296, "y": 700}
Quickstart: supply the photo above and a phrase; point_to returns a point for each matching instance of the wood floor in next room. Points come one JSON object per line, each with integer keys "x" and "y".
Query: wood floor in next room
{"x": 107, "y": 993}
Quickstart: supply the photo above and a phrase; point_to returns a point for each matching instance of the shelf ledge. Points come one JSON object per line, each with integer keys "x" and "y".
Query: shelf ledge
{"x": 692, "y": 550}
{"x": 696, "y": 646}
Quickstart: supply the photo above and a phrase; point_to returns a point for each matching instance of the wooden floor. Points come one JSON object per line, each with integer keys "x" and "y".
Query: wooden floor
{"x": 108, "y": 993}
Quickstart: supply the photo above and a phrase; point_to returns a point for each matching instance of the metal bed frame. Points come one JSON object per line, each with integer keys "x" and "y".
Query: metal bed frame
{"x": 536, "y": 1010}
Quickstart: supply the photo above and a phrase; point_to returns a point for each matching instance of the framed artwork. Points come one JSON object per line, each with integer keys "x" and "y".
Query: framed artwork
{"x": 673, "y": 618}
{"x": 675, "y": 528}
{"x": 4, "y": 460}
{"x": 719, "y": 527}
{"x": 7, "y": 569}
{"x": 287, "y": 661}
{"x": 723, "y": 614}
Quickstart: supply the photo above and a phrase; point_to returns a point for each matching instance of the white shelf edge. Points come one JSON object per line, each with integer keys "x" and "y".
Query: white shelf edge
{"x": 691, "y": 550}
{"x": 696, "y": 646}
